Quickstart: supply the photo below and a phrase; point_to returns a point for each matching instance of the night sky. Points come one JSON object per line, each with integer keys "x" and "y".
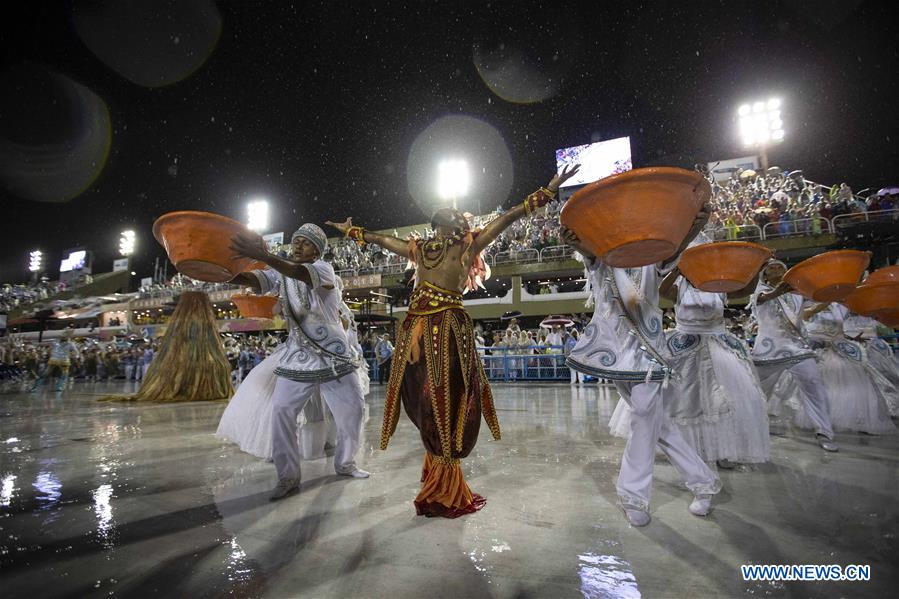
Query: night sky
{"x": 315, "y": 106}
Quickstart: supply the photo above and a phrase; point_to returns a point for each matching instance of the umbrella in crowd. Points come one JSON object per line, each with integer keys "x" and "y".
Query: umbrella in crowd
{"x": 552, "y": 321}
{"x": 510, "y": 315}
{"x": 888, "y": 191}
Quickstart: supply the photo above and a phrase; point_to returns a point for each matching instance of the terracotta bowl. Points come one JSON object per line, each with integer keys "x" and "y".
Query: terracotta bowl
{"x": 255, "y": 306}
{"x": 883, "y": 275}
{"x": 197, "y": 244}
{"x": 828, "y": 277}
{"x": 639, "y": 217}
{"x": 870, "y": 299}
{"x": 723, "y": 267}
{"x": 889, "y": 318}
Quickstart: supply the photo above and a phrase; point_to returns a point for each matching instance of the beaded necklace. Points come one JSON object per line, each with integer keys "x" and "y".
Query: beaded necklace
{"x": 435, "y": 249}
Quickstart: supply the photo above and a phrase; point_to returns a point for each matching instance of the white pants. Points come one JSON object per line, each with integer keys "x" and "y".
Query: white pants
{"x": 346, "y": 405}
{"x": 814, "y": 394}
{"x": 318, "y": 431}
{"x": 576, "y": 377}
{"x": 650, "y": 426}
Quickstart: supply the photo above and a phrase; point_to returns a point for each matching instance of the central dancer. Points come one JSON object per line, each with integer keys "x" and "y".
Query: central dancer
{"x": 624, "y": 343}
{"x": 436, "y": 371}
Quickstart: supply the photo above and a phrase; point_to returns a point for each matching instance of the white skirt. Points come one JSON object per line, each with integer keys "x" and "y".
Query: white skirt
{"x": 716, "y": 402}
{"x": 856, "y": 391}
{"x": 881, "y": 359}
{"x": 247, "y": 421}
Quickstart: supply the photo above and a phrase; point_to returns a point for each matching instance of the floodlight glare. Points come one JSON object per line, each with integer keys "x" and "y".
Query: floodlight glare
{"x": 127, "y": 242}
{"x": 35, "y": 259}
{"x": 257, "y": 215}
{"x": 760, "y": 124}
{"x": 452, "y": 179}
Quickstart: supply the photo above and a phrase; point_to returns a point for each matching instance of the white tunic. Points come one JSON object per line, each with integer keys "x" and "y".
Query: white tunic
{"x": 781, "y": 335}
{"x": 316, "y": 348}
{"x": 624, "y": 340}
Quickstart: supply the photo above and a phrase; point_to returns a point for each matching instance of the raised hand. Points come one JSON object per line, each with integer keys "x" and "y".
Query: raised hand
{"x": 248, "y": 246}
{"x": 342, "y": 227}
{"x": 567, "y": 173}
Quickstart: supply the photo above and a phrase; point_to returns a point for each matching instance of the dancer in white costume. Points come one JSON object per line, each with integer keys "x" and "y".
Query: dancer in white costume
{"x": 856, "y": 389}
{"x": 317, "y": 355}
{"x": 247, "y": 421}
{"x": 781, "y": 346}
{"x": 863, "y": 329}
{"x": 624, "y": 343}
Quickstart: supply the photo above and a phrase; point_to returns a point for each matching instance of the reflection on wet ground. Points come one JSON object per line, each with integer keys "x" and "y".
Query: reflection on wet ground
{"x": 100, "y": 499}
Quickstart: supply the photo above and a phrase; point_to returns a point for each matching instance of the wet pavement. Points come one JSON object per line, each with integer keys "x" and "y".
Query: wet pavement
{"x": 114, "y": 499}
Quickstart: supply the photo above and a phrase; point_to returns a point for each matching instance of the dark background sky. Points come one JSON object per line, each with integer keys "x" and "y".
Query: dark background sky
{"x": 315, "y": 105}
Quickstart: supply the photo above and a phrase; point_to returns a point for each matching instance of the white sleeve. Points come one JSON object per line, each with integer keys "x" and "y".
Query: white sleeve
{"x": 269, "y": 279}
{"x": 321, "y": 275}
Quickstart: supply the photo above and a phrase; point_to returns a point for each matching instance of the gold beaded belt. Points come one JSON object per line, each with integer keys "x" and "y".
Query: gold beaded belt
{"x": 428, "y": 298}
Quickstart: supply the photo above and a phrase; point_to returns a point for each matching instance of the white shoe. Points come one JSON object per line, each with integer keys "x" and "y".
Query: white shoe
{"x": 355, "y": 473}
{"x": 284, "y": 488}
{"x": 636, "y": 517}
{"x": 726, "y": 464}
{"x": 701, "y": 505}
{"x": 826, "y": 444}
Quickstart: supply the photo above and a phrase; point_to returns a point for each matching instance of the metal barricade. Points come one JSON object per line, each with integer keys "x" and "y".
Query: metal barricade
{"x": 843, "y": 220}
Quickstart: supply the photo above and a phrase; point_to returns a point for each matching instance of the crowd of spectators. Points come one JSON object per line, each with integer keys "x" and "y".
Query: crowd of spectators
{"x": 15, "y": 296}
{"x": 785, "y": 203}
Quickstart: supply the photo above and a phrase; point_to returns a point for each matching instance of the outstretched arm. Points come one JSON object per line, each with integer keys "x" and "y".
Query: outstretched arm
{"x": 747, "y": 290}
{"x": 699, "y": 222}
{"x": 809, "y": 312}
{"x": 667, "y": 288}
{"x": 388, "y": 242}
{"x": 782, "y": 288}
{"x": 253, "y": 247}
{"x": 536, "y": 200}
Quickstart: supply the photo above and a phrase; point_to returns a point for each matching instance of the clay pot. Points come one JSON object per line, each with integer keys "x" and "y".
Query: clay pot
{"x": 889, "y": 318}
{"x": 197, "y": 244}
{"x": 871, "y": 299}
{"x": 255, "y": 306}
{"x": 723, "y": 267}
{"x": 886, "y": 274}
{"x": 636, "y": 218}
{"x": 828, "y": 277}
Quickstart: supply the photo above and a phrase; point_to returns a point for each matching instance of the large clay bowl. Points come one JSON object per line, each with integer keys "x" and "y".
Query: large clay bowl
{"x": 639, "y": 217}
{"x": 197, "y": 244}
{"x": 870, "y": 299}
{"x": 887, "y": 274}
{"x": 723, "y": 267}
{"x": 255, "y": 306}
{"x": 889, "y": 318}
{"x": 828, "y": 277}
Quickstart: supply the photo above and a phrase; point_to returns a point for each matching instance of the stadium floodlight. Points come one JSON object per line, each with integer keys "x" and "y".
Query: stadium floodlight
{"x": 760, "y": 124}
{"x": 452, "y": 179}
{"x": 257, "y": 215}
{"x": 127, "y": 242}
{"x": 35, "y": 261}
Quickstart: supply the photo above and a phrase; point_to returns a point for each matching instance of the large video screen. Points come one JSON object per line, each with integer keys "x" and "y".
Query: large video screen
{"x": 74, "y": 261}
{"x": 597, "y": 160}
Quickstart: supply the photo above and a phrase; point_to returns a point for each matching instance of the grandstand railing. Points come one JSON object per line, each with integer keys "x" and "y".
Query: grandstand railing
{"x": 790, "y": 228}
{"x": 510, "y": 365}
{"x": 737, "y": 232}
{"x": 843, "y": 220}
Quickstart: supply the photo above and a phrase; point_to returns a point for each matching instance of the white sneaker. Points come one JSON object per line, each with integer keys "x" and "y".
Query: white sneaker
{"x": 355, "y": 473}
{"x": 826, "y": 444}
{"x": 701, "y": 505}
{"x": 285, "y": 487}
{"x": 636, "y": 517}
